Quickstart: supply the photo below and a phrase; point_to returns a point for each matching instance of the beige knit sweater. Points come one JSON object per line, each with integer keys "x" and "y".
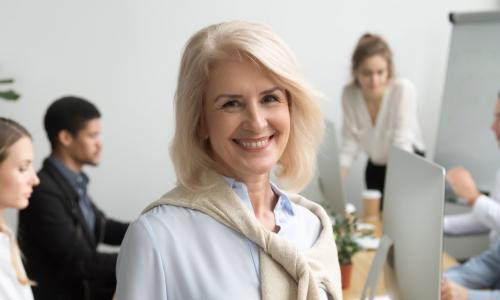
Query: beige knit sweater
{"x": 286, "y": 272}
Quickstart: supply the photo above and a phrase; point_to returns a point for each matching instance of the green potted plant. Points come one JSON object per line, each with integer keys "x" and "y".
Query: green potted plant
{"x": 343, "y": 230}
{"x": 9, "y": 95}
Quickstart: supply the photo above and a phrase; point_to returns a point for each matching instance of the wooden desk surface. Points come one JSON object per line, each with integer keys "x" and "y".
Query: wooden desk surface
{"x": 361, "y": 266}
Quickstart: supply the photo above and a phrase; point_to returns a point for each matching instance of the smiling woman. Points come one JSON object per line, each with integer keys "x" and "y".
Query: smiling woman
{"x": 17, "y": 178}
{"x": 226, "y": 231}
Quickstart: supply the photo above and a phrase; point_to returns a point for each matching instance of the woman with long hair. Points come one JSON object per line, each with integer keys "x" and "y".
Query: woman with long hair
{"x": 17, "y": 178}
{"x": 379, "y": 110}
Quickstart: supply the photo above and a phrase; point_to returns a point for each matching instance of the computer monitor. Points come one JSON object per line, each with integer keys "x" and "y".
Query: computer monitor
{"x": 329, "y": 180}
{"x": 413, "y": 224}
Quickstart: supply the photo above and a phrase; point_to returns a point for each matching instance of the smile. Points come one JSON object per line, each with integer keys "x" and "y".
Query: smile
{"x": 254, "y": 144}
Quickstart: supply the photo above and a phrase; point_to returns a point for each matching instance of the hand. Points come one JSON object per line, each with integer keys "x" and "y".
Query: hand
{"x": 462, "y": 184}
{"x": 452, "y": 291}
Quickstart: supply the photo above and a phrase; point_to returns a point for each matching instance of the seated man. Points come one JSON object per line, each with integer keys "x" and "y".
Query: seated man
{"x": 478, "y": 278}
{"x": 485, "y": 213}
{"x": 60, "y": 231}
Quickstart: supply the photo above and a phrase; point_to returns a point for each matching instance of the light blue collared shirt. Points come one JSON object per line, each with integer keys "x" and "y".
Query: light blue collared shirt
{"x": 177, "y": 253}
{"x": 79, "y": 182}
{"x": 480, "y": 275}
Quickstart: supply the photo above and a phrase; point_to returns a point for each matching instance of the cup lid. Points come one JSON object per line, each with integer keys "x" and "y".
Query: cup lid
{"x": 372, "y": 194}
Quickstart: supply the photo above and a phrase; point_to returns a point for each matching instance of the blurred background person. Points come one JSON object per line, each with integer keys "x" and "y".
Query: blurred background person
{"x": 17, "y": 179}
{"x": 60, "y": 232}
{"x": 378, "y": 111}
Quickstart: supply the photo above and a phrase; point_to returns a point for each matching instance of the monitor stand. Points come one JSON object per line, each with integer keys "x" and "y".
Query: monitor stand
{"x": 377, "y": 267}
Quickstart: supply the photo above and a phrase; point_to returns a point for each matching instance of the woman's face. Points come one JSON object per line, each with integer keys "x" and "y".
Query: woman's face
{"x": 17, "y": 176}
{"x": 373, "y": 75}
{"x": 246, "y": 119}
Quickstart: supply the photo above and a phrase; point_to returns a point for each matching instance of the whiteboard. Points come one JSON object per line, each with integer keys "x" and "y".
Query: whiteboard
{"x": 471, "y": 90}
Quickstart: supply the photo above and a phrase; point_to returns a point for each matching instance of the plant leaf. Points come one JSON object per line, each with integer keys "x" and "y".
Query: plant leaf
{"x": 9, "y": 80}
{"x": 9, "y": 95}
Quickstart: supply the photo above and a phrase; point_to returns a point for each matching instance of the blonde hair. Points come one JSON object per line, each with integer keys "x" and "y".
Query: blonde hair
{"x": 10, "y": 133}
{"x": 256, "y": 42}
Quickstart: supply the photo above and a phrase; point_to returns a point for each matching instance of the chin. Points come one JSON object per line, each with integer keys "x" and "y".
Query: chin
{"x": 22, "y": 204}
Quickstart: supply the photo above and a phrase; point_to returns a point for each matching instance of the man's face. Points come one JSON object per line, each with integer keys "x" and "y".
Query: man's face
{"x": 85, "y": 146}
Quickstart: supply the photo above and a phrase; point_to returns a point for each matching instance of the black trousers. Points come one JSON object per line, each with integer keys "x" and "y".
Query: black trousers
{"x": 375, "y": 176}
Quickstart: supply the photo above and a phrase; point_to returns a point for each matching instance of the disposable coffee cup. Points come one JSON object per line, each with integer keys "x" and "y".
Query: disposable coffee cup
{"x": 371, "y": 205}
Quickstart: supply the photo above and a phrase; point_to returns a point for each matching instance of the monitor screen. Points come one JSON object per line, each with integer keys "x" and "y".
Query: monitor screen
{"x": 329, "y": 179}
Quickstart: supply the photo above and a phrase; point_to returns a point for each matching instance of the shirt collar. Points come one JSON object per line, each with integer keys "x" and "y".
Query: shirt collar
{"x": 283, "y": 207}
{"x": 76, "y": 180}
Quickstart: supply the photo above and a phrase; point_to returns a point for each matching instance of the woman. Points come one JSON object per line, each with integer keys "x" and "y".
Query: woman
{"x": 225, "y": 231}
{"x": 17, "y": 179}
{"x": 378, "y": 111}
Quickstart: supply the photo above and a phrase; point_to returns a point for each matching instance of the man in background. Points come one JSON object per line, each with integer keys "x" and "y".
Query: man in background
{"x": 60, "y": 230}
{"x": 485, "y": 215}
{"x": 479, "y": 277}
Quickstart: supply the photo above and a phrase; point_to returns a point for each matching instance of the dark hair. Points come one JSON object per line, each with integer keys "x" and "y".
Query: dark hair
{"x": 369, "y": 45}
{"x": 10, "y": 133}
{"x": 68, "y": 113}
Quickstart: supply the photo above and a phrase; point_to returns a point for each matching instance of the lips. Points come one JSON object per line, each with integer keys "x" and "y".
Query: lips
{"x": 254, "y": 144}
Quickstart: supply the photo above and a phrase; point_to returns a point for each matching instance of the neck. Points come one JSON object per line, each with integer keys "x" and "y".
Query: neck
{"x": 373, "y": 99}
{"x": 68, "y": 161}
{"x": 3, "y": 225}
{"x": 261, "y": 195}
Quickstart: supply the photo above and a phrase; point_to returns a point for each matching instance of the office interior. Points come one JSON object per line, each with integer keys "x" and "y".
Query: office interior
{"x": 124, "y": 57}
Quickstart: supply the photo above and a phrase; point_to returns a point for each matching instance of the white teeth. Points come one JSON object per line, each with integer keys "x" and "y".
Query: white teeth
{"x": 254, "y": 145}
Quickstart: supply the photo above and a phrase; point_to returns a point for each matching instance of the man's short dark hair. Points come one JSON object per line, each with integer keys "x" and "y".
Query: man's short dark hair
{"x": 68, "y": 113}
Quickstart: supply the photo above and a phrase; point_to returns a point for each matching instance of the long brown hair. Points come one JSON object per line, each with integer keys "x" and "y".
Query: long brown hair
{"x": 10, "y": 133}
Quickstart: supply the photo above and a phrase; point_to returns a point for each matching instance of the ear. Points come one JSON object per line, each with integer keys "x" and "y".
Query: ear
{"x": 202, "y": 129}
{"x": 65, "y": 138}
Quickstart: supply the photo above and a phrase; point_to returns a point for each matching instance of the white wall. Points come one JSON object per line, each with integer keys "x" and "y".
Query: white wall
{"x": 124, "y": 55}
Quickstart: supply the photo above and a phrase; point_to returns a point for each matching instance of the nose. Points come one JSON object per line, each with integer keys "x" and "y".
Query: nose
{"x": 256, "y": 118}
{"x": 99, "y": 143}
{"x": 34, "y": 179}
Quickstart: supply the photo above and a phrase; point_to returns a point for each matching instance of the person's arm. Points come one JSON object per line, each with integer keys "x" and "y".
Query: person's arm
{"x": 462, "y": 224}
{"x": 485, "y": 209}
{"x": 406, "y": 116}
{"x": 140, "y": 273}
{"x": 480, "y": 272}
{"x": 453, "y": 291}
{"x": 53, "y": 231}
{"x": 111, "y": 231}
{"x": 350, "y": 144}
{"x": 462, "y": 184}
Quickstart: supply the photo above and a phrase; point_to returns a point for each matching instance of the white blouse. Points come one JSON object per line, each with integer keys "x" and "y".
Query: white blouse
{"x": 397, "y": 123}
{"x": 10, "y": 288}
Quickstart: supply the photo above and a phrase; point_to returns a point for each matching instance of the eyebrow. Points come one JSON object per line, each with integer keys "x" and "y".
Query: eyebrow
{"x": 268, "y": 91}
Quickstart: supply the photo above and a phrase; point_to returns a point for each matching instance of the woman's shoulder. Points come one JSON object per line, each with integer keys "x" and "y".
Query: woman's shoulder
{"x": 351, "y": 94}
{"x": 402, "y": 84}
{"x": 350, "y": 89}
{"x": 168, "y": 215}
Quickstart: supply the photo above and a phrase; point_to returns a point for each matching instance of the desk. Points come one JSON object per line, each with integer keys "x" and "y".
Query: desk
{"x": 361, "y": 266}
